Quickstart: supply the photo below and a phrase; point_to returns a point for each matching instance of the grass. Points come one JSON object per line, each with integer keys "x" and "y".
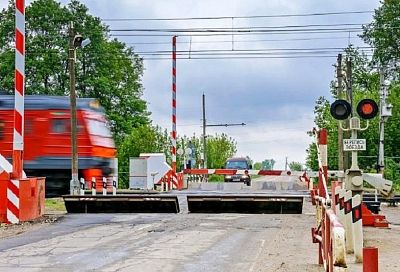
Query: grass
{"x": 55, "y": 204}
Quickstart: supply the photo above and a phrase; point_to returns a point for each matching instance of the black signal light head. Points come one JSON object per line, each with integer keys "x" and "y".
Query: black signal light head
{"x": 367, "y": 109}
{"x": 340, "y": 109}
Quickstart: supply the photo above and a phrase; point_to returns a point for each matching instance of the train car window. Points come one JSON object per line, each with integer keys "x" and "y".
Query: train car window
{"x": 59, "y": 125}
{"x": 99, "y": 128}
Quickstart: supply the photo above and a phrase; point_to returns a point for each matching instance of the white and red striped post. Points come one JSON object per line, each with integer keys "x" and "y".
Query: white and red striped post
{"x": 18, "y": 141}
{"x": 173, "y": 149}
{"x": 18, "y": 146}
{"x": 323, "y": 149}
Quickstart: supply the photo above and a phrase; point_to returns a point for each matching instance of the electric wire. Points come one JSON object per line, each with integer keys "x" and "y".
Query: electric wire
{"x": 241, "y": 17}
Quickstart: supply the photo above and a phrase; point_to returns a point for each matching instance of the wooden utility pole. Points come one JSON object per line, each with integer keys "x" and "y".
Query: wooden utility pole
{"x": 74, "y": 160}
{"x": 339, "y": 96}
{"x": 349, "y": 95}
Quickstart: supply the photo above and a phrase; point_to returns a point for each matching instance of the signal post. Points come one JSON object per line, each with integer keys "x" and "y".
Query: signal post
{"x": 353, "y": 184}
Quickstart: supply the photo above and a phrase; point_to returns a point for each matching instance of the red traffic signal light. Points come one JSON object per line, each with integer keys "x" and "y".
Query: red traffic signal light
{"x": 340, "y": 109}
{"x": 367, "y": 109}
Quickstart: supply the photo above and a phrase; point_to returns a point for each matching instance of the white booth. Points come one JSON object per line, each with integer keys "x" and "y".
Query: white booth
{"x": 147, "y": 170}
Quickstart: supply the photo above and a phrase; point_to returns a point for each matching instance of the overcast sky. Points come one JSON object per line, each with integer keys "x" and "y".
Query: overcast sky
{"x": 274, "y": 97}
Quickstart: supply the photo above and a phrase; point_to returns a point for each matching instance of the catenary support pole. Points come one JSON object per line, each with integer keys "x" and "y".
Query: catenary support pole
{"x": 381, "y": 150}
{"x": 173, "y": 135}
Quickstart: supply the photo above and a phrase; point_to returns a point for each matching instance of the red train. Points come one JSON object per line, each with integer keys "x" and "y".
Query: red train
{"x": 47, "y": 141}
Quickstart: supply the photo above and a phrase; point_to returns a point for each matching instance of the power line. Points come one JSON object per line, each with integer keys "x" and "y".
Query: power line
{"x": 222, "y": 29}
{"x": 251, "y": 50}
{"x": 230, "y": 31}
{"x": 247, "y": 57}
{"x": 327, "y": 31}
{"x": 242, "y": 41}
{"x": 240, "y": 17}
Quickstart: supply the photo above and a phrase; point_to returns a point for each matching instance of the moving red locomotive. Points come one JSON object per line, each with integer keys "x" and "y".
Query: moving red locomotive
{"x": 47, "y": 141}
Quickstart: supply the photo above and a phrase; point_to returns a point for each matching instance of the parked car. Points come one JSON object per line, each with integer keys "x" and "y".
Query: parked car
{"x": 239, "y": 163}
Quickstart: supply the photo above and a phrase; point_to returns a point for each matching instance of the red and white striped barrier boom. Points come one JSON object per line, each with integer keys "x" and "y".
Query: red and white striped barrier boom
{"x": 241, "y": 172}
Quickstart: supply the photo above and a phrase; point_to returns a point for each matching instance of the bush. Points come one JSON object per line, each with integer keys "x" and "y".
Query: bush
{"x": 216, "y": 178}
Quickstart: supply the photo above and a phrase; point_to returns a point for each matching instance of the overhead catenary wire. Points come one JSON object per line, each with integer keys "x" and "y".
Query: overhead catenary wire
{"x": 253, "y": 50}
{"x": 231, "y": 29}
{"x": 243, "y": 41}
{"x": 245, "y": 32}
{"x": 245, "y": 57}
{"x": 242, "y": 17}
{"x": 329, "y": 31}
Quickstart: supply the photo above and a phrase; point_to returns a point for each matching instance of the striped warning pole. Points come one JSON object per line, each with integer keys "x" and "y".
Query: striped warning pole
{"x": 18, "y": 141}
{"x": 173, "y": 151}
{"x": 323, "y": 149}
{"x": 18, "y": 146}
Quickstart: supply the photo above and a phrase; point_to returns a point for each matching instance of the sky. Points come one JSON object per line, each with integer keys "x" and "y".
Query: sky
{"x": 274, "y": 97}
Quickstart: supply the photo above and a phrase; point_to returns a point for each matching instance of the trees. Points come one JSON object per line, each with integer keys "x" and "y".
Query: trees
{"x": 143, "y": 139}
{"x": 295, "y": 166}
{"x": 383, "y": 33}
{"x": 219, "y": 149}
{"x": 107, "y": 69}
{"x": 257, "y": 166}
{"x": 365, "y": 85}
{"x": 268, "y": 164}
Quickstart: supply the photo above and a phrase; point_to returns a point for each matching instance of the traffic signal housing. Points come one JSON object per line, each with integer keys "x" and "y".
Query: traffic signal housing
{"x": 367, "y": 109}
{"x": 340, "y": 109}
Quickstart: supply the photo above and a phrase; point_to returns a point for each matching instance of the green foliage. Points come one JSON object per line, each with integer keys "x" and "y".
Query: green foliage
{"x": 365, "y": 85}
{"x": 152, "y": 139}
{"x": 392, "y": 172}
{"x": 295, "y": 166}
{"x": 106, "y": 69}
{"x": 216, "y": 178}
{"x": 219, "y": 149}
{"x": 143, "y": 139}
{"x": 257, "y": 166}
{"x": 383, "y": 33}
{"x": 268, "y": 164}
{"x": 54, "y": 205}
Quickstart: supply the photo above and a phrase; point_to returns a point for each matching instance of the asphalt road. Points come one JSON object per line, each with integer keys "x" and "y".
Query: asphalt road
{"x": 165, "y": 242}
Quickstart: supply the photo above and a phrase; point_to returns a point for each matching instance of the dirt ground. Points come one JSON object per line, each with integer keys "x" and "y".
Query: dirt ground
{"x": 386, "y": 240}
{"x": 13, "y": 230}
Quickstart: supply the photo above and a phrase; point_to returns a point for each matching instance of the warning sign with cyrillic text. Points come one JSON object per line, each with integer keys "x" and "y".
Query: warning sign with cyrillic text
{"x": 354, "y": 144}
